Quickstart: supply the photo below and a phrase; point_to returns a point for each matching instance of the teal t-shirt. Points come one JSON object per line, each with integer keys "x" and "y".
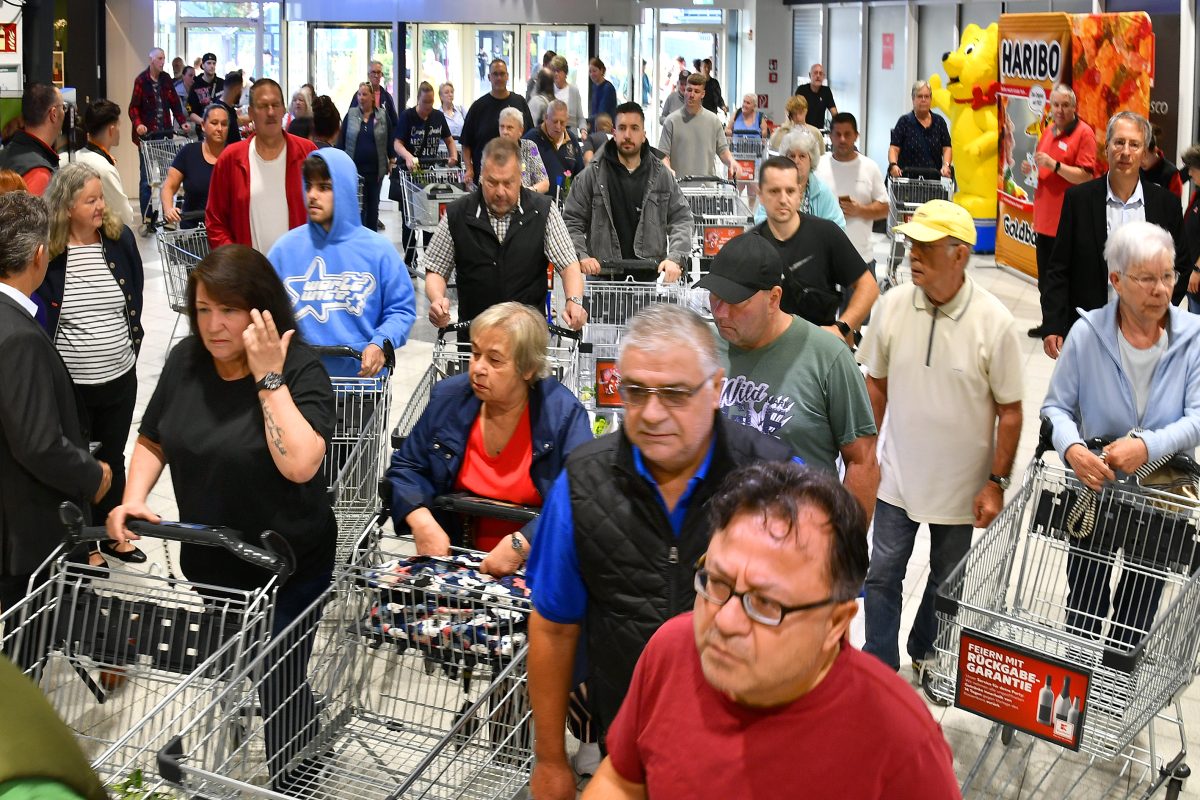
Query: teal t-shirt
{"x": 804, "y": 388}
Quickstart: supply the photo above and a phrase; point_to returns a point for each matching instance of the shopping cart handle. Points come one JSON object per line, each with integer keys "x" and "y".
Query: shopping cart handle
{"x": 563, "y": 333}
{"x": 706, "y": 179}
{"x": 345, "y": 351}
{"x": 275, "y": 555}
{"x": 453, "y": 327}
{"x": 168, "y": 761}
{"x": 473, "y": 506}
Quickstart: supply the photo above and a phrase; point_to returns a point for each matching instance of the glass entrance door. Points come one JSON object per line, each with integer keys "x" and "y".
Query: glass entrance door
{"x": 616, "y": 51}
{"x": 236, "y": 45}
{"x": 339, "y": 56}
{"x": 491, "y": 42}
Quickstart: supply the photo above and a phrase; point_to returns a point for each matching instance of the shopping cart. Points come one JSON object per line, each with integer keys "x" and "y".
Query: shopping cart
{"x": 417, "y": 690}
{"x": 180, "y": 251}
{"x": 1011, "y": 648}
{"x": 121, "y": 654}
{"x": 158, "y": 151}
{"x": 358, "y": 448}
{"x": 426, "y": 192}
{"x": 719, "y": 212}
{"x": 905, "y": 195}
{"x": 748, "y": 151}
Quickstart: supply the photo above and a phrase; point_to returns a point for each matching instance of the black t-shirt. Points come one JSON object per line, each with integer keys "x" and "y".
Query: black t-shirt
{"x": 482, "y": 123}
{"x": 203, "y": 93}
{"x": 212, "y": 433}
{"x": 197, "y": 174}
{"x": 818, "y": 255}
{"x": 421, "y": 137}
{"x": 713, "y": 99}
{"x": 818, "y": 103}
{"x": 235, "y": 133}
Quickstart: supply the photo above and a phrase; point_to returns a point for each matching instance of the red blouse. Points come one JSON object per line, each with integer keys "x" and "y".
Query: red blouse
{"x": 502, "y": 477}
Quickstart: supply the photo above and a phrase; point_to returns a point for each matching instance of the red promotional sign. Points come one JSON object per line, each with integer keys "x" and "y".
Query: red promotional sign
{"x": 716, "y": 236}
{"x": 608, "y": 381}
{"x": 889, "y": 50}
{"x": 1024, "y": 690}
{"x": 745, "y": 169}
{"x": 8, "y": 37}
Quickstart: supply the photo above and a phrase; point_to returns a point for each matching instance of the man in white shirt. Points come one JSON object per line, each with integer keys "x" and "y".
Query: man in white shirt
{"x": 858, "y": 183}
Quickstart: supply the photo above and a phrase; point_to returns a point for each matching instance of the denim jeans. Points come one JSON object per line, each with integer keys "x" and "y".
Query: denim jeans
{"x": 144, "y": 189}
{"x": 892, "y": 545}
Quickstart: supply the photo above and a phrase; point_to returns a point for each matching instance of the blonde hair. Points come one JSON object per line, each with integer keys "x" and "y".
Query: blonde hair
{"x": 527, "y": 335}
{"x": 794, "y": 105}
{"x": 61, "y": 194}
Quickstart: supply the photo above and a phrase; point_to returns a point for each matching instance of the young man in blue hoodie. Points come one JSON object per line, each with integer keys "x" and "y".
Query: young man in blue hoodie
{"x": 348, "y": 285}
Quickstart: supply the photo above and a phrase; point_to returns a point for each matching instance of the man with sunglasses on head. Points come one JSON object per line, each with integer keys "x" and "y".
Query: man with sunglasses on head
{"x": 624, "y": 524}
{"x": 944, "y": 364}
{"x": 761, "y": 666}
{"x": 383, "y": 98}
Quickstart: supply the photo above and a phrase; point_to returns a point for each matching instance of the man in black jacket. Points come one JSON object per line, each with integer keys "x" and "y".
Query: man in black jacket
{"x": 43, "y": 451}
{"x": 1077, "y": 277}
{"x": 622, "y": 528}
{"x": 31, "y": 152}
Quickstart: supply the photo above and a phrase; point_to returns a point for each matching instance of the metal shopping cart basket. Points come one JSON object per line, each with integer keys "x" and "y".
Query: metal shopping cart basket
{"x": 158, "y": 151}
{"x": 180, "y": 251}
{"x": 748, "y": 152}
{"x": 417, "y": 690}
{"x": 426, "y": 192}
{"x": 120, "y": 654}
{"x": 358, "y": 448}
{"x": 1013, "y": 648}
{"x": 720, "y": 214}
{"x": 906, "y": 195}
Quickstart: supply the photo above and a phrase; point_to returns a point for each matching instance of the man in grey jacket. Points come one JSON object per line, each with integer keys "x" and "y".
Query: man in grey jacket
{"x": 627, "y": 205}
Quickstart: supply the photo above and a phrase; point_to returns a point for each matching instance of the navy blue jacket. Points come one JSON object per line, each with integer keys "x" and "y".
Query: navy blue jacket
{"x": 427, "y": 464}
{"x": 123, "y": 259}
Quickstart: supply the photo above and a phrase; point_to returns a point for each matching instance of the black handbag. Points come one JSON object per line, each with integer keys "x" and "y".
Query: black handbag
{"x": 813, "y": 303}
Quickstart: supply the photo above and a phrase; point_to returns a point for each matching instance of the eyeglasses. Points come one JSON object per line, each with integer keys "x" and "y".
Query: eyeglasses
{"x": 1148, "y": 282}
{"x": 376, "y": 72}
{"x": 929, "y": 247}
{"x": 758, "y": 608}
{"x": 672, "y": 397}
{"x": 1126, "y": 144}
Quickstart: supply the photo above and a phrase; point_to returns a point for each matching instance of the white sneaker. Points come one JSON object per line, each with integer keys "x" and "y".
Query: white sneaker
{"x": 586, "y": 760}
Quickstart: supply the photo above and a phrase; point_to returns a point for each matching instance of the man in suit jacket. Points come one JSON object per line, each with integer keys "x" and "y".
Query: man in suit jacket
{"x": 44, "y": 457}
{"x": 1077, "y": 277}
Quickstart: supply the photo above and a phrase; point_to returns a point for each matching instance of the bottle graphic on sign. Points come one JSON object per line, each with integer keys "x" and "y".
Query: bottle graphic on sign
{"x": 1073, "y": 714}
{"x": 1045, "y": 710}
{"x": 1063, "y": 705}
{"x": 1064, "y": 728}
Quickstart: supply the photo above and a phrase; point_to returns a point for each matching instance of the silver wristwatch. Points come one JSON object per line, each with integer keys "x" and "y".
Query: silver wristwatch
{"x": 576, "y": 300}
{"x": 271, "y": 381}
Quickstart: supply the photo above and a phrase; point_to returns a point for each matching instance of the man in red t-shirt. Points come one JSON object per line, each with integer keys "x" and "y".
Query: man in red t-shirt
{"x": 756, "y": 692}
{"x": 1066, "y": 155}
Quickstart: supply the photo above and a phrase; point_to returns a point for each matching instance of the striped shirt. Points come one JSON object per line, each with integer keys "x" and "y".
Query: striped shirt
{"x": 93, "y": 327}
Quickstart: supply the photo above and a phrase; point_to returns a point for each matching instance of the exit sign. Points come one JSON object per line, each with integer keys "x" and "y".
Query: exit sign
{"x": 8, "y": 37}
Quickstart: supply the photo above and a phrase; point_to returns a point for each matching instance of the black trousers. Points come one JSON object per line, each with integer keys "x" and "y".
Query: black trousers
{"x": 109, "y": 413}
{"x": 1044, "y": 245}
{"x": 370, "y": 202}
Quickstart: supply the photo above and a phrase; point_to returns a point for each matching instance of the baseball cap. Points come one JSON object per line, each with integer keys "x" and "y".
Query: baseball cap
{"x": 745, "y": 265}
{"x": 938, "y": 219}
{"x": 208, "y": 57}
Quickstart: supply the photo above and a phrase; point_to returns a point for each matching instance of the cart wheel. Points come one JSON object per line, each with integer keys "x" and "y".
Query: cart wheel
{"x": 431, "y": 665}
{"x": 1006, "y": 735}
{"x": 1175, "y": 783}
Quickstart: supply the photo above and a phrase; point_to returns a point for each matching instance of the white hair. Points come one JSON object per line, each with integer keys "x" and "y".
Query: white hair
{"x": 1065, "y": 91}
{"x": 918, "y": 86}
{"x": 801, "y": 139}
{"x": 673, "y": 330}
{"x": 1136, "y": 243}
{"x": 1129, "y": 116}
{"x": 513, "y": 114}
{"x": 554, "y": 107}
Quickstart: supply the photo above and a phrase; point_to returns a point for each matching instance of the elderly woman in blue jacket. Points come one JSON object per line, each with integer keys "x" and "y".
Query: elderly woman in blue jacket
{"x": 1129, "y": 371}
{"x": 502, "y": 431}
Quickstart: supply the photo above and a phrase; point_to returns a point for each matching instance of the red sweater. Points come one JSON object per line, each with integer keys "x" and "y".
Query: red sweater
{"x": 227, "y": 216}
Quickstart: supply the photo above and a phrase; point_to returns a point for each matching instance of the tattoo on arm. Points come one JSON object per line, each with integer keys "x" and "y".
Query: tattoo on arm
{"x": 274, "y": 432}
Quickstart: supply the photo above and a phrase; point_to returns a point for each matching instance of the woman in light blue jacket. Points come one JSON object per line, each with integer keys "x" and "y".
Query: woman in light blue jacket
{"x": 816, "y": 198}
{"x": 1129, "y": 372}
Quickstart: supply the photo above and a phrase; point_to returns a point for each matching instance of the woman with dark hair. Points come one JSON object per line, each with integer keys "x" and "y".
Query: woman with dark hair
{"x": 604, "y": 94}
{"x": 193, "y": 167}
{"x": 242, "y": 414}
{"x": 543, "y": 95}
{"x": 327, "y": 122}
{"x": 102, "y": 124}
{"x": 91, "y": 306}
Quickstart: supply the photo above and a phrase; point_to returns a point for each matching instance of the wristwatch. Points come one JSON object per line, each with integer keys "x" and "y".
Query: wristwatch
{"x": 1003, "y": 481}
{"x": 576, "y": 300}
{"x": 1057, "y": 164}
{"x": 842, "y": 326}
{"x": 271, "y": 381}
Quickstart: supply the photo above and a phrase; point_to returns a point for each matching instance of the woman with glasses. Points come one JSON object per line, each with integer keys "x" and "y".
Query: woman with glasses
{"x": 817, "y": 199}
{"x": 1128, "y": 372}
{"x": 503, "y": 431}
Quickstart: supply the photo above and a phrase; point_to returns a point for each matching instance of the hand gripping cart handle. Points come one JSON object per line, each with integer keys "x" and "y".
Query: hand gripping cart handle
{"x": 344, "y": 351}
{"x": 275, "y": 555}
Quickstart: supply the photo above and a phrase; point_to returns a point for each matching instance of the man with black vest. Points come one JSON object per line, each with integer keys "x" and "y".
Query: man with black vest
{"x": 501, "y": 239}
{"x": 623, "y": 526}
{"x": 31, "y": 153}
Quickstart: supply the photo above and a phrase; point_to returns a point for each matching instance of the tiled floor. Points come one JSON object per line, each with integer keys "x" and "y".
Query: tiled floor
{"x": 965, "y": 732}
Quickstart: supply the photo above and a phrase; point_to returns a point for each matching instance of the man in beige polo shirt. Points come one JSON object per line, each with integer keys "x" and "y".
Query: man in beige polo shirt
{"x": 943, "y": 364}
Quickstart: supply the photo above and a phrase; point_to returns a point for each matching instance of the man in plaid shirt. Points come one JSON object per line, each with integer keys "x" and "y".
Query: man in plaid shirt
{"x": 152, "y": 107}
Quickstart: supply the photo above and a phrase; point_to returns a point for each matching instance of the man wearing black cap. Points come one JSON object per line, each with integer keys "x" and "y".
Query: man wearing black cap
{"x": 207, "y": 86}
{"x": 783, "y": 375}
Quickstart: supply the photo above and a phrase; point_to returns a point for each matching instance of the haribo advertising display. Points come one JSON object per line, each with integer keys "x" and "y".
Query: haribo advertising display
{"x": 1107, "y": 59}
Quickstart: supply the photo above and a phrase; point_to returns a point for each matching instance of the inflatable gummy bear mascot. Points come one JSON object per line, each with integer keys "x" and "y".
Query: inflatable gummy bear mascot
{"x": 969, "y": 100}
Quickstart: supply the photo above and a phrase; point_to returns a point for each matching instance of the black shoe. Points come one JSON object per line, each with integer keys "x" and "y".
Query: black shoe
{"x": 134, "y": 556}
{"x": 379, "y": 226}
{"x": 1037, "y": 333}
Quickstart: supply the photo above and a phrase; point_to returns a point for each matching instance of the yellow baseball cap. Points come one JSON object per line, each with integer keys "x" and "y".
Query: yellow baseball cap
{"x": 938, "y": 219}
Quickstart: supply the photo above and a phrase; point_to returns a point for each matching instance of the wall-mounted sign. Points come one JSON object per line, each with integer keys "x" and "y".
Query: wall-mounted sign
{"x": 8, "y": 37}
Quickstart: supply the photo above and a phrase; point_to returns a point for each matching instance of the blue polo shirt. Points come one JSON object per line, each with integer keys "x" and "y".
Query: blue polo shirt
{"x": 553, "y": 575}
